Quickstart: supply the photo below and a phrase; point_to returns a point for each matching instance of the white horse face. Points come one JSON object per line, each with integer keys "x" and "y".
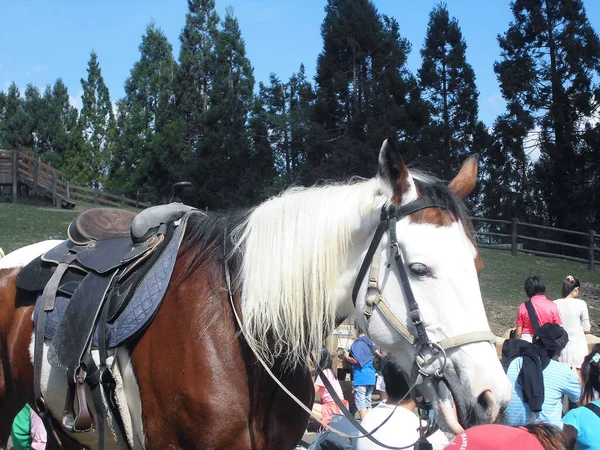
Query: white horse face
{"x": 441, "y": 261}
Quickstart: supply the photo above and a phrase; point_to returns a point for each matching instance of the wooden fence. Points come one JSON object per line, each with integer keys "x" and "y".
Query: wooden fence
{"x": 19, "y": 168}
{"x": 522, "y": 237}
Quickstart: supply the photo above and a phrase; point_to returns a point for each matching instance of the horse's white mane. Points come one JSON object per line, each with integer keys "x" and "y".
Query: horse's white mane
{"x": 295, "y": 247}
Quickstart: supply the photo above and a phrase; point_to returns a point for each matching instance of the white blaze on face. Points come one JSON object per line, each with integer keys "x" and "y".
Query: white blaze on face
{"x": 450, "y": 304}
{"x": 23, "y": 256}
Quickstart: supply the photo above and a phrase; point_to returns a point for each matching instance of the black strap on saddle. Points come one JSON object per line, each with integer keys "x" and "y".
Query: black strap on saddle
{"x": 532, "y": 315}
{"x": 594, "y": 408}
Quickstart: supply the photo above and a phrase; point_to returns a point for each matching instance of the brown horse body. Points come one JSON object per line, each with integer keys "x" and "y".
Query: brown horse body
{"x": 200, "y": 384}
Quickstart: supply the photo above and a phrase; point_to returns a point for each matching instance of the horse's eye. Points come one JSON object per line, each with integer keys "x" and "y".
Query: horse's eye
{"x": 419, "y": 269}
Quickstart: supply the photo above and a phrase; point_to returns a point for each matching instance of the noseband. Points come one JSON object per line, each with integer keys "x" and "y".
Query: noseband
{"x": 427, "y": 351}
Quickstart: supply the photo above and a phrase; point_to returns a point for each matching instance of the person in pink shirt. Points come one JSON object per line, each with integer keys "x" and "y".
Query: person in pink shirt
{"x": 546, "y": 310}
{"x": 328, "y": 407}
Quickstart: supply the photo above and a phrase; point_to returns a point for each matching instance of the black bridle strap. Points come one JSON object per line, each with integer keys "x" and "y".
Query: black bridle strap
{"x": 388, "y": 212}
{"x": 389, "y": 217}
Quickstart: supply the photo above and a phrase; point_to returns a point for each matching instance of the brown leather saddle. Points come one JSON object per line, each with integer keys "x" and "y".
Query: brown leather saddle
{"x": 107, "y": 249}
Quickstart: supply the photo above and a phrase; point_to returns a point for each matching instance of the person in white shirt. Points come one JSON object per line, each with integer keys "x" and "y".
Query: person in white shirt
{"x": 402, "y": 428}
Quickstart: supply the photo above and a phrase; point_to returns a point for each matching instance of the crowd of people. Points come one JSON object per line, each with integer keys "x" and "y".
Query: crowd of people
{"x": 546, "y": 360}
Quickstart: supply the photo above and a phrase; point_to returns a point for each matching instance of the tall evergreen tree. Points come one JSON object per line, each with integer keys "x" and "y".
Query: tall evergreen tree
{"x": 88, "y": 165}
{"x": 225, "y": 147}
{"x": 14, "y": 122}
{"x": 196, "y": 71}
{"x": 145, "y": 158}
{"x": 59, "y": 133}
{"x": 448, "y": 84}
{"x": 364, "y": 93}
{"x": 550, "y": 56}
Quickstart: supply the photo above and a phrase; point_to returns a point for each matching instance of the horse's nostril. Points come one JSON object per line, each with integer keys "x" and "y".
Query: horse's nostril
{"x": 486, "y": 400}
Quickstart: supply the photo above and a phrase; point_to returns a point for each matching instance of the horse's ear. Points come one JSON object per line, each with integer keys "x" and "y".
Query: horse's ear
{"x": 464, "y": 182}
{"x": 392, "y": 171}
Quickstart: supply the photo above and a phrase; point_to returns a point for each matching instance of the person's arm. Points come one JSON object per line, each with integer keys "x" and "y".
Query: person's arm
{"x": 380, "y": 354}
{"x": 585, "y": 319}
{"x": 571, "y": 435}
{"x": 518, "y": 332}
{"x": 572, "y": 387}
{"x": 349, "y": 358}
{"x": 519, "y": 322}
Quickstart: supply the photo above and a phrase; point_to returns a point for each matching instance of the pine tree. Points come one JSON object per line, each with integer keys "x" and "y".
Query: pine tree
{"x": 448, "y": 84}
{"x": 364, "y": 93}
{"x": 14, "y": 122}
{"x": 89, "y": 164}
{"x": 225, "y": 148}
{"x": 196, "y": 72}
{"x": 145, "y": 159}
{"x": 60, "y": 132}
{"x": 550, "y": 55}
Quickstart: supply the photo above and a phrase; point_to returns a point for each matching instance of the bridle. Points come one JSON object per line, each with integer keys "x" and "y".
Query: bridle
{"x": 426, "y": 351}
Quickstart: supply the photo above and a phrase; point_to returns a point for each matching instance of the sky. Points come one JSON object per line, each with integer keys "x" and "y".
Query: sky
{"x": 41, "y": 41}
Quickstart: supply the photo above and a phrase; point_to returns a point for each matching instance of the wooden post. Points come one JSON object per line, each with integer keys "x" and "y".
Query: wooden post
{"x": 122, "y": 200}
{"x": 137, "y": 199}
{"x": 95, "y": 195}
{"x": 592, "y": 263}
{"x": 15, "y": 174}
{"x": 513, "y": 237}
{"x": 35, "y": 176}
{"x": 55, "y": 200}
{"x": 68, "y": 190}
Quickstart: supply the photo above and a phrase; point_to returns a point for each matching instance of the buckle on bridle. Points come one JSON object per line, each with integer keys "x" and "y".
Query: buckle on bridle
{"x": 423, "y": 362}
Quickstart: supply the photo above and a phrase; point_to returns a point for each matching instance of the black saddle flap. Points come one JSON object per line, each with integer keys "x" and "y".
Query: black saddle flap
{"x": 35, "y": 275}
{"x": 74, "y": 333}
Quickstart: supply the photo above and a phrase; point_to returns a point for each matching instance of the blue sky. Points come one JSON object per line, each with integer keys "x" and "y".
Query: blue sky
{"x": 43, "y": 40}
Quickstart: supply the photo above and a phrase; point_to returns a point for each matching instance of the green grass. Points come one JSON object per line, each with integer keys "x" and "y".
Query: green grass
{"x": 22, "y": 225}
{"x": 501, "y": 281}
{"x": 503, "y": 277}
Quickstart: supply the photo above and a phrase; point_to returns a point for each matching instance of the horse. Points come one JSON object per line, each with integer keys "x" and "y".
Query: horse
{"x": 262, "y": 288}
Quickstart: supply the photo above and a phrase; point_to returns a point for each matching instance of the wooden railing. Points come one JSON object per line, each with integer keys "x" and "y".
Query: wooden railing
{"x": 518, "y": 237}
{"x": 100, "y": 197}
{"x": 18, "y": 166}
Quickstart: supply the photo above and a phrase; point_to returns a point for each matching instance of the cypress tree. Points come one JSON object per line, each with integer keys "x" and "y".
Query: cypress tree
{"x": 225, "y": 147}
{"x": 89, "y": 164}
{"x": 549, "y": 56}
{"x": 448, "y": 84}
{"x": 146, "y": 159}
{"x": 364, "y": 92}
{"x": 15, "y": 123}
{"x": 195, "y": 76}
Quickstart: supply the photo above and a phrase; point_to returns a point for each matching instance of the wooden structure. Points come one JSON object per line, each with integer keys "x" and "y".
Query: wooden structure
{"x": 522, "y": 237}
{"x": 18, "y": 169}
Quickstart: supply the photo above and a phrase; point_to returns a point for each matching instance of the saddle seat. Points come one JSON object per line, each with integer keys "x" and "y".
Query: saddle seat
{"x": 100, "y": 224}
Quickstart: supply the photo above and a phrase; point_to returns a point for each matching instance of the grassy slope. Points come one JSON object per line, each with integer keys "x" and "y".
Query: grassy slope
{"x": 501, "y": 280}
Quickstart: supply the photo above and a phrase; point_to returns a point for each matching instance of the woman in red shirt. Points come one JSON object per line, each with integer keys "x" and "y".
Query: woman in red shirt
{"x": 545, "y": 309}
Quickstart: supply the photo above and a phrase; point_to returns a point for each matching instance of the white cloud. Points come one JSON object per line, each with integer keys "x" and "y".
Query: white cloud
{"x": 75, "y": 100}
{"x": 531, "y": 144}
{"x": 495, "y": 99}
{"x": 39, "y": 68}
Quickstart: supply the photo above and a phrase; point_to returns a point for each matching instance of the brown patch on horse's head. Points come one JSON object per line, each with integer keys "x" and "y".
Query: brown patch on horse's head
{"x": 461, "y": 186}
